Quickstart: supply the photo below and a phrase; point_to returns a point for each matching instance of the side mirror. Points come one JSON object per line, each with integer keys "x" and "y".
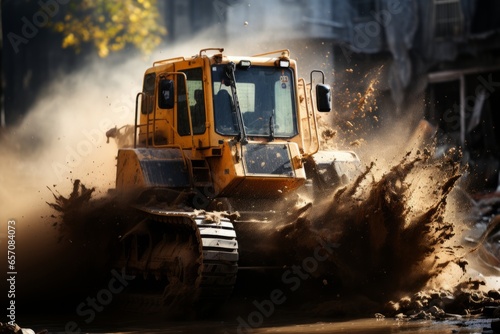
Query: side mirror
{"x": 166, "y": 94}
{"x": 323, "y": 98}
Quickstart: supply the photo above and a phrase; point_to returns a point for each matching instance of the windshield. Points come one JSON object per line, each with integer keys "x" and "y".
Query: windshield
{"x": 266, "y": 99}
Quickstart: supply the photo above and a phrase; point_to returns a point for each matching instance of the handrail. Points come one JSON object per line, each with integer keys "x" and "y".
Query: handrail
{"x": 312, "y": 103}
{"x": 211, "y": 49}
{"x": 166, "y": 61}
{"x": 166, "y": 145}
{"x": 281, "y": 52}
{"x": 309, "y": 112}
{"x": 135, "y": 123}
{"x": 317, "y": 71}
{"x": 307, "y": 109}
{"x": 148, "y": 124}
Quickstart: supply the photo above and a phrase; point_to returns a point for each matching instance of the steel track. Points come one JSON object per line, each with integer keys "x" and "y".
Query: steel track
{"x": 207, "y": 277}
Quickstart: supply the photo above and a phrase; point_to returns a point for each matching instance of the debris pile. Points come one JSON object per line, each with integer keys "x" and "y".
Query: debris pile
{"x": 15, "y": 329}
{"x": 484, "y": 233}
{"x": 466, "y": 300}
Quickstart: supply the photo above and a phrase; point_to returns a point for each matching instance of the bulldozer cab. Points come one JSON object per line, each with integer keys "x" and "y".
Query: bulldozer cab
{"x": 197, "y": 103}
{"x": 224, "y": 126}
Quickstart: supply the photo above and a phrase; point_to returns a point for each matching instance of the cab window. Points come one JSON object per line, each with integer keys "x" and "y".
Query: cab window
{"x": 196, "y": 103}
{"x": 149, "y": 91}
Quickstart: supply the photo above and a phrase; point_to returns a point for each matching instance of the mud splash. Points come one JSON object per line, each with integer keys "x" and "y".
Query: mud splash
{"x": 92, "y": 226}
{"x": 388, "y": 246}
{"x": 392, "y": 233}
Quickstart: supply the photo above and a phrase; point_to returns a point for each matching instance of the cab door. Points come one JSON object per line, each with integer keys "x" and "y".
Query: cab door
{"x": 191, "y": 106}
{"x": 156, "y": 118}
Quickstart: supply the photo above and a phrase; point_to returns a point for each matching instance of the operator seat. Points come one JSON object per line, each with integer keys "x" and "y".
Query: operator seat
{"x": 224, "y": 116}
{"x": 198, "y": 112}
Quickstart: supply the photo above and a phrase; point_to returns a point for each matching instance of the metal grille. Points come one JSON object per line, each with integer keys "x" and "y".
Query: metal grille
{"x": 448, "y": 19}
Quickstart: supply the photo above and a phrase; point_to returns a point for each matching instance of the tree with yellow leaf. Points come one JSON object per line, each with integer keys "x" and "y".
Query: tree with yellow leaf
{"x": 111, "y": 24}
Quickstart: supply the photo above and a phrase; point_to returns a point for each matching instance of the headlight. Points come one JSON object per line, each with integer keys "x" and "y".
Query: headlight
{"x": 283, "y": 63}
{"x": 244, "y": 63}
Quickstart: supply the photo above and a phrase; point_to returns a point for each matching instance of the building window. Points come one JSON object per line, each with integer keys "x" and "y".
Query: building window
{"x": 448, "y": 19}
{"x": 364, "y": 9}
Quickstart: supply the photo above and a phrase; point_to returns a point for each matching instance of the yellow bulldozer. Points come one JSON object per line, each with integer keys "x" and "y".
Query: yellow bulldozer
{"x": 220, "y": 143}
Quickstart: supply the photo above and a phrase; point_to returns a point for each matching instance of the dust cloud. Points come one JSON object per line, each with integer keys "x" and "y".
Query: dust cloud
{"x": 62, "y": 138}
